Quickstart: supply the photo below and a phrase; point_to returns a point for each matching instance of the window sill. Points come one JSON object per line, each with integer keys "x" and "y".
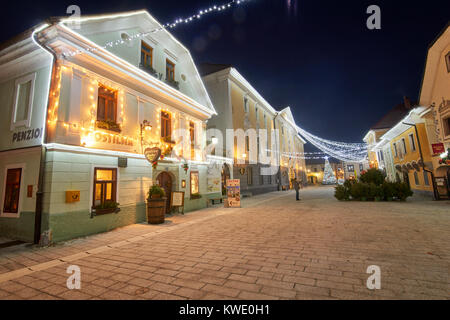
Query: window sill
{"x": 100, "y": 212}
{"x": 195, "y": 197}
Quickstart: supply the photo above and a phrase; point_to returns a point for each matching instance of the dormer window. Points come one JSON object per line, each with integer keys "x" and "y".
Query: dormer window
{"x": 146, "y": 55}
{"x": 170, "y": 70}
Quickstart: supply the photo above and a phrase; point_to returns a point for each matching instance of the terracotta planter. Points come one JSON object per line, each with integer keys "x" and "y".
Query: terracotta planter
{"x": 156, "y": 210}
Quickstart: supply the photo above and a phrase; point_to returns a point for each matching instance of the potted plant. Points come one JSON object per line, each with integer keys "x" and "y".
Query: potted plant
{"x": 156, "y": 205}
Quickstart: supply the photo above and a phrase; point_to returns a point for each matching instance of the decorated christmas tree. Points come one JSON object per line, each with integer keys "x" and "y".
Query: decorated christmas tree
{"x": 328, "y": 174}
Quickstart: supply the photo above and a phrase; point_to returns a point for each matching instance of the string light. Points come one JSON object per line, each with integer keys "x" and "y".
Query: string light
{"x": 170, "y": 25}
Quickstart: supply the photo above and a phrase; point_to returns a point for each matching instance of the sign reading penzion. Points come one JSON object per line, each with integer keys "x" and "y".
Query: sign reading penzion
{"x": 27, "y": 135}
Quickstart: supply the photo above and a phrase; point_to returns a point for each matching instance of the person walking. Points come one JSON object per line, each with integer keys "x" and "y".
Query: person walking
{"x": 296, "y": 186}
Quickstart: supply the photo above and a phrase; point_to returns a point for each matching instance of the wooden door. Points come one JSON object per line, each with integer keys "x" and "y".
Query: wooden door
{"x": 164, "y": 180}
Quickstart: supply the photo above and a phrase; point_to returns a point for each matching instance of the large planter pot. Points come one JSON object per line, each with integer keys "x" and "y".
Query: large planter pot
{"x": 156, "y": 210}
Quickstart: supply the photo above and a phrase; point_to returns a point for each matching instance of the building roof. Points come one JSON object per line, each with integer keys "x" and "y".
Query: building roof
{"x": 396, "y": 114}
{"x": 207, "y": 68}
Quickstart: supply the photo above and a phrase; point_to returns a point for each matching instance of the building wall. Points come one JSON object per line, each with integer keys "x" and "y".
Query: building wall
{"x": 411, "y": 156}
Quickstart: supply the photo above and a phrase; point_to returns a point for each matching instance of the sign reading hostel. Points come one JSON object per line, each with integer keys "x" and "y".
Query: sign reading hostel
{"x": 27, "y": 135}
{"x": 233, "y": 193}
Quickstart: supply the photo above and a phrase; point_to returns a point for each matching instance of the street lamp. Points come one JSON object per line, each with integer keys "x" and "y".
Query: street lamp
{"x": 145, "y": 125}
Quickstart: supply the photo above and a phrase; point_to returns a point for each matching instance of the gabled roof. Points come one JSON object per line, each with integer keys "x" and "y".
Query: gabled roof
{"x": 145, "y": 21}
{"x": 391, "y": 118}
{"x": 208, "y": 68}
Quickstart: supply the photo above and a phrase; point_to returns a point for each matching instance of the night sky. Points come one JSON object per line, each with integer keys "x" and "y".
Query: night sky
{"x": 317, "y": 57}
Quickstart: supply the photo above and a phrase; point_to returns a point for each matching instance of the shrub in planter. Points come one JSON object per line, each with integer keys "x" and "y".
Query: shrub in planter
{"x": 342, "y": 193}
{"x": 156, "y": 192}
{"x": 402, "y": 191}
{"x": 373, "y": 175}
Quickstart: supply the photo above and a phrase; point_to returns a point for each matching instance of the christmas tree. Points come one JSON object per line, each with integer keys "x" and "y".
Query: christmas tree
{"x": 328, "y": 174}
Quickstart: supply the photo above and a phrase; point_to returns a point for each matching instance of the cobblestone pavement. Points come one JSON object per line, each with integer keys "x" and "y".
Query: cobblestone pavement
{"x": 272, "y": 248}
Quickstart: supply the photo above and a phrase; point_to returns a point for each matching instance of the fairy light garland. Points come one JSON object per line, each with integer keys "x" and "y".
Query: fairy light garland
{"x": 169, "y": 25}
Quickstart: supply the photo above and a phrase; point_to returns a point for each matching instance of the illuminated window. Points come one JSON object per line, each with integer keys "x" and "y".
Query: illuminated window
{"x": 166, "y": 125}
{"x": 146, "y": 55}
{"x": 107, "y": 104}
{"x": 170, "y": 70}
{"x": 12, "y": 190}
{"x": 350, "y": 168}
{"x": 194, "y": 183}
{"x": 105, "y": 186}
{"x": 192, "y": 136}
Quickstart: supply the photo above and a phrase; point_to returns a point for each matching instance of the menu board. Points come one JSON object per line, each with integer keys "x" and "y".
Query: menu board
{"x": 177, "y": 199}
{"x": 233, "y": 193}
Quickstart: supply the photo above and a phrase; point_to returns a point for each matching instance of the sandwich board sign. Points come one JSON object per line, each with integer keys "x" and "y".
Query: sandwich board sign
{"x": 233, "y": 193}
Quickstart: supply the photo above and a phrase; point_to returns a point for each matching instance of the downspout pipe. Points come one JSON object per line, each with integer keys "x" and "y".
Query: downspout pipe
{"x": 40, "y": 187}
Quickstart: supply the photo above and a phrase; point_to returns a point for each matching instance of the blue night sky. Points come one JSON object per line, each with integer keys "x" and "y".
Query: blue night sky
{"x": 317, "y": 57}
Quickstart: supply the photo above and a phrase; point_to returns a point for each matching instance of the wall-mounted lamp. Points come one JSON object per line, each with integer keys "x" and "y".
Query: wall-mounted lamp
{"x": 183, "y": 183}
{"x": 146, "y": 125}
{"x": 214, "y": 140}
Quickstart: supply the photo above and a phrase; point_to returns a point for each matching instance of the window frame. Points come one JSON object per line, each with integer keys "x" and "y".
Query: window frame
{"x": 447, "y": 61}
{"x": 170, "y": 71}
{"x": 107, "y": 98}
{"x": 145, "y": 53}
{"x": 352, "y": 168}
{"x": 190, "y": 183}
{"x": 412, "y": 142}
{"x": 249, "y": 176}
{"x": 25, "y": 122}
{"x": 404, "y": 146}
{"x": 395, "y": 149}
{"x": 5, "y": 175}
{"x": 416, "y": 178}
{"x": 246, "y": 108}
{"x": 167, "y": 125}
{"x": 93, "y": 180}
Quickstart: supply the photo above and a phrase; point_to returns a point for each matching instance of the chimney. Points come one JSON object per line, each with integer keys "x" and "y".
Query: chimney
{"x": 406, "y": 102}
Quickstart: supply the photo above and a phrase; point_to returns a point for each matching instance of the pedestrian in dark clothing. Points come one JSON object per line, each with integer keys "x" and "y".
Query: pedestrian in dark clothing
{"x": 296, "y": 186}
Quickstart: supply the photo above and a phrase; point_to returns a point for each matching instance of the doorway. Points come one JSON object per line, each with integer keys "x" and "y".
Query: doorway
{"x": 225, "y": 176}
{"x": 164, "y": 180}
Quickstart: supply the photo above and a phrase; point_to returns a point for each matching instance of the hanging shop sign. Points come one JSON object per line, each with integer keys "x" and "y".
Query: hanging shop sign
{"x": 233, "y": 193}
{"x": 27, "y": 135}
{"x": 438, "y": 148}
{"x": 152, "y": 154}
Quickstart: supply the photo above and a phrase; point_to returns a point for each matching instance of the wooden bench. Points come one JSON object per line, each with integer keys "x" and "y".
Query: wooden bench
{"x": 211, "y": 201}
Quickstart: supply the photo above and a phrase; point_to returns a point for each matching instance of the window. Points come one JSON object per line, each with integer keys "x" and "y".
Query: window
{"x": 350, "y": 168}
{"x": 247, "y": 143}
{"x": 446, "y": 123}
{"x": 412, "y": 142}
{"x": 12, "y": 190}
{"x": 170, "y": 70}
{"x": 447, "y": 61}
{"x": 315, "y": 170}
{"x": 395, "y": 149}
{"x": 416, "y": 178}
{"x": 425, "y": 178}
{"x": 107, "y": 104}
{"x": 249, "y": 176}
{"x": 361, "y": 167}
{"x": 192, "y": 136}
{"x": 146, "y": 55}
{"x": 23, "y": 101}
{"x": 404, "y": 145}
{"x": 194, "y": 183}
{"x": 256, "y": 113}
{"x": 166, "y": 125}
{"x": 105, "y": 186}
{"x": 245, "y": 105}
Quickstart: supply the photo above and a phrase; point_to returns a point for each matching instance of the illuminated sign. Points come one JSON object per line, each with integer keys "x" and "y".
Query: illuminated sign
{"x": 152, "y": 154}
{"x": 438, "y": 148}
{"x": 112, "y": 139}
